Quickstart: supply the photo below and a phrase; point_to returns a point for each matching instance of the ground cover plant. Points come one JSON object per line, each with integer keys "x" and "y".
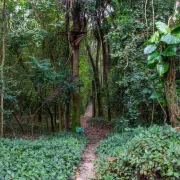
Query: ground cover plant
{"x": 141, "y": 153}
{"x": 54, "y": 157}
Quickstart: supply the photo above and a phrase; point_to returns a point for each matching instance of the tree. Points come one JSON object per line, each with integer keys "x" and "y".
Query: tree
{"x": 2, "y": 68}
{"x": 78, "y": 16}
{"x": 170, "y": 84}
{"x": 162, "y": 54}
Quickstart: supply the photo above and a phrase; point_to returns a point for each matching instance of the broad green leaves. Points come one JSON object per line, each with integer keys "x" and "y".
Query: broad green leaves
{"x": 170, "y": 39}
{"x": 163, "y": 28}
{"x": 54, "y": 157}
{"x": 150, "y": 49}
{"x": 153, "y": 58}
{"x": 154, "y": 38}
{"x": 170, "y": 51}
{"x": 162, "y": 44}
{"x": 176, "y": 31}
{"x": 162, "y": 68}
{"x": 154, "y": 149}
{"x": 156, "y": 95}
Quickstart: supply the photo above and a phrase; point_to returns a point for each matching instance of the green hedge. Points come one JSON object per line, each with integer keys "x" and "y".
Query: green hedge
{"x": 54, "y": 157}
{"x": 152, "y": 153}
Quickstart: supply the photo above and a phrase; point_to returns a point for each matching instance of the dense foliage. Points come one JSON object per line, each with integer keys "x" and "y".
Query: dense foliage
{"x": 40, "y": 78}
{"x": 57, "y": 56}
{"x": 53, "y": 157}
{"x": 130, "y": 80}
{"x": 99, "y": 122}
{"x": 141, "y": 153}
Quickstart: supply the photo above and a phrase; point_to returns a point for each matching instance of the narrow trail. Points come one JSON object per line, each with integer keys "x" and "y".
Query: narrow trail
{"x": 95, "y": 135}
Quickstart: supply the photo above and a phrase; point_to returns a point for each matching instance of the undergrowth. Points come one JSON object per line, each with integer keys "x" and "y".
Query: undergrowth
{"x": 140, "y": 154}
{"x": 99, "y": 122}
{"x": 50, "y": 158}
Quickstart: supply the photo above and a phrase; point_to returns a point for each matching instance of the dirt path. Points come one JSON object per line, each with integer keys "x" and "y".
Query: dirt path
{"x": 95, "y": 134}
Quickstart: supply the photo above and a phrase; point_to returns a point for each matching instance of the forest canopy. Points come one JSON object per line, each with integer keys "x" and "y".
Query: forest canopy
{"x": 59, "y": 55}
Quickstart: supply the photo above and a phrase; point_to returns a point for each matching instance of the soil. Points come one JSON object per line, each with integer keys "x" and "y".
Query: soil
{"x": 95, "y": 135}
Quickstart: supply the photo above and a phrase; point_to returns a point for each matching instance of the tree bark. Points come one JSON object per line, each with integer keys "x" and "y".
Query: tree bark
{"x": 68, "y": 94}
{"x": 78, "y": 26}
{"x": 94, "y": 99}
{"x": 106, "y": 68}
{"x": 2, "y": 70}
{"x": 76, "y": 110}
{"x": 60, "y": 117}
{"x": 19, "y": 122}
{"x": 170, "y": 83}
{"x": 105, "y": 52}
{"x": 171, "y": 94}
{"x": 96, "y": 79}
{"x": 40, "y": 112}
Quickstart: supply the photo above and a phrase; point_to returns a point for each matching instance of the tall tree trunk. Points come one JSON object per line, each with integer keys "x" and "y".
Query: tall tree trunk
{"x": 76, "y": 110}
{"x": 55, "y": 112}
{"x": 40, "y": 112}
{"x": 49, "y": 111}
{"x": 19, "y": 122}
{"x": 67, "y": 111}
{"x": 106, "y": 68}
{"x": 2, "y": 70}
{"x": 96, "y": 79}
{"x": 68, "y": 94}
{"x": 105, "y": 50}
{"x": 171, "y": 94}
{"x": 170, "y": 85}
{"x": 60, "y": 117}
{"x": 76, "y": 37}
{"x": 93, "y": 99}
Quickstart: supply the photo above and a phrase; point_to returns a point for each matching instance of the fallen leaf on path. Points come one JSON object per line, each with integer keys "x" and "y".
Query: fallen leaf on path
{"x": 111, "y": 159}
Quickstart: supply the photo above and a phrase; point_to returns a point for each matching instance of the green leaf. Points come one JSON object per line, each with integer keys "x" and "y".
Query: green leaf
{"x": 150, "y": 49}
{"x": 163, "y": 28}
{"x": 164, "y": 103}
{"x": 155, "y": 95}
{"x": 176, "y": 31}
{"x": 170, "y": 39}
{"x": 146, "y": 91}
{"x": 162, "y": 68}
{"x": 154, "y": 76}
{"x": 154, "y": 38}
{"x": 170, "y": 51}
{"x": 154, "y": 56}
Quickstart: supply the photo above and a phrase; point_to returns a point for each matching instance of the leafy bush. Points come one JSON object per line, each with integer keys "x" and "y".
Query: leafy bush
{"x": 100, "y": 122}
{"x": 152, "y": 153}
{"x": 54, "y": 157}
{"x": 120, "y": 124}
{"x": 111, "y": 146}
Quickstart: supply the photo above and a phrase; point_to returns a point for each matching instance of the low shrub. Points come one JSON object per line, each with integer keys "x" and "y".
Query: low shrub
{"x": 140, "y": 154}
{"x": 99, "y": 122}
{"x": 121, "y": 123}
{"x": 54, "y": 157}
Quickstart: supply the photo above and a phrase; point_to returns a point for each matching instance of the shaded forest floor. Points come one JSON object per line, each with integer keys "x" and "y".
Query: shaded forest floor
{"x": 95, "y": 135}
{"x": 86, "y": 170}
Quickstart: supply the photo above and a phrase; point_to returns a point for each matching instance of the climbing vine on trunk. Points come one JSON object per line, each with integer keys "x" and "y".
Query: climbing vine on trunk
{"x": 162, "y": 50}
